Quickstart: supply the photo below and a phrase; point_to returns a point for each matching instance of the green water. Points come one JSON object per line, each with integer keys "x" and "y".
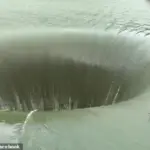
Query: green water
{"x": 119, "y": 127}
{"x": 122, "y": 126}
{"x": 12, "y": 117}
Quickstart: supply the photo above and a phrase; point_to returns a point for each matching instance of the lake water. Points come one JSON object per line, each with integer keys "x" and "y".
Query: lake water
{"x": 118, "y": 127}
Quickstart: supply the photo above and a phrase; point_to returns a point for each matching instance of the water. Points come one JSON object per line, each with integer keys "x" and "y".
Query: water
{"x": 121, "y": 126}
{"x": 123, "y": 14}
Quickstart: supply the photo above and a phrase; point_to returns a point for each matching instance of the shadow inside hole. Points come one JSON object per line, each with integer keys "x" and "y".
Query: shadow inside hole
{"x": 57, "y": 84}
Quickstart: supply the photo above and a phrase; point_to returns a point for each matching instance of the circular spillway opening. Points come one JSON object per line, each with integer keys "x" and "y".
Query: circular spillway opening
{"x": 68, "y": 69}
